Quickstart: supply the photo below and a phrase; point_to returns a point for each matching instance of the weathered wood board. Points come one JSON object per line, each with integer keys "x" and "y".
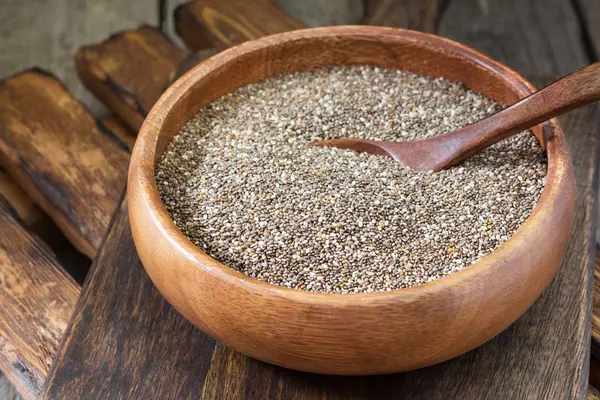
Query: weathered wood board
{"x": 53, "y": 147}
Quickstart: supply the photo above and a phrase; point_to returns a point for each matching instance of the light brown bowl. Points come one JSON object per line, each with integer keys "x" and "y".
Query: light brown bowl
{"x": 360, "y": 333}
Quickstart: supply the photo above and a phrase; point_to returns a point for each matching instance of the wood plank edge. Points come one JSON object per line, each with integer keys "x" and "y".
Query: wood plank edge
{"x": 21, "y": 372}
{"x": 193, "y": 34}
{"x": 81, "y": 301}
{"x": 29, "y": 182}
{"x": 123, "y": 102}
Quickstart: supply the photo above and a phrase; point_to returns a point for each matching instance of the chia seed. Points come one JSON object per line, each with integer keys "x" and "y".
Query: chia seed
{"x": 242, "y": 183}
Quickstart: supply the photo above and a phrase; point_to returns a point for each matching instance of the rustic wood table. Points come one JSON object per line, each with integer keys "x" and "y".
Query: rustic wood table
{"x": 117, "y": 337}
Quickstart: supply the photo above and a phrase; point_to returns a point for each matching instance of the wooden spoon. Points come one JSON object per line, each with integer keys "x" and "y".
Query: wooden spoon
{"x": 443, "y": 151}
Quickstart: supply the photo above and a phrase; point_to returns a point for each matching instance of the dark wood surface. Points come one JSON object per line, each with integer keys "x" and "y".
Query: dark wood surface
{"x": 117, "y": 335}
{"x": 417, "y": 15}
{"x": 121, "y": 132}
{"x": 54, "y": 148}
{"x": 129, "y": 71}
{"x": 214, "y": 23}
{"x": 37, "y": 298}
{"x": 596, "y": 310}
{"x": 18, "y": 200}
{"x": 323, "y": 12}
{"x": 594, "y": 372}
{"x": 124, "y": 335}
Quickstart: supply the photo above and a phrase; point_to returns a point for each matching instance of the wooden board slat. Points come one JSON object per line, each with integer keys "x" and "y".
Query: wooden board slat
{"x": 314, "y": 13}
{"x": 214, "y": 23}
{"x": 192, "y": 60}
{"x": 29, "y": 213}
{"x": 38, "y": 299}
{"x": 416, "y": 15}
{"x": 117, "y": 346}
{"x": 129, "y": 71}
{"x": 514, "y": 365}
{"x": 596, "y": 308}
{"x": 121, "y": 132}
{"x": 55, "y": 150}
{"x": 589, "y": 12}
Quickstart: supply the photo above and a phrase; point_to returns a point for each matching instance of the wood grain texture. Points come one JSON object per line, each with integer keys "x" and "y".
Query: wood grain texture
{"x": 117, "y": 128}
{"x": 213, "y": 23}
{"x": 28, "y": 212}
{"x": 315, "y": 13}
{"x": 191, "y": 61}
{"x": 129, "y": 71}
{"x": 53, "y": 147}
{"x": 46, "y": 33}
{"x": 38, "y": 299}
{"x": 596, "y": 308}
{"x": 417, "y": 15}
{"x": 589, "y": 12}
{"x": 524, "y": 34}
{"x": 116, "y": 345}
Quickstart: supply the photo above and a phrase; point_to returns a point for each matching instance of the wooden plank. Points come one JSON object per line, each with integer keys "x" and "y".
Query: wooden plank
{"x": 556, "y": 327}
{"x": 28, "y": 212}
{"x": 416, "y": 15}
{"x": 117, "y": 127}
{"x": 192, "y": 60}
{"x": 215, "y": 23}
{"x": 39, "y": 223}
{"x": 323, "y": 12}
{"x": 38, "y": 299}
{"x": 589, "y": 12}
{"x": 596, "y": 308}
{"x": 129, "y": 71}
{"x": 53, "y": 147}
{"x": 524, "y": 34}
{"x": 132, "y": 366}
{"x": 61, "y": 28}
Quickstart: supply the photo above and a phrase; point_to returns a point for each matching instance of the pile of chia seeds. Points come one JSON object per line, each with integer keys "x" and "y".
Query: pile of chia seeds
{"x": 242, "y": 183}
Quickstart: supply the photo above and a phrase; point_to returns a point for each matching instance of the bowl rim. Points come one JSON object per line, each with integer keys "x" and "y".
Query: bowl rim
{"x": 142, "y": 185}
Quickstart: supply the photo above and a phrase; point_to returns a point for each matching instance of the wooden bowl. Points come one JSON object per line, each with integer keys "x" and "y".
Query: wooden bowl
{"x": 356, "y": 333}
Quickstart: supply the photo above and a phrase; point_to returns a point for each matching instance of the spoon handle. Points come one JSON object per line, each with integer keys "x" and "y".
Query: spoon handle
{"x": 575, "y": 90}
